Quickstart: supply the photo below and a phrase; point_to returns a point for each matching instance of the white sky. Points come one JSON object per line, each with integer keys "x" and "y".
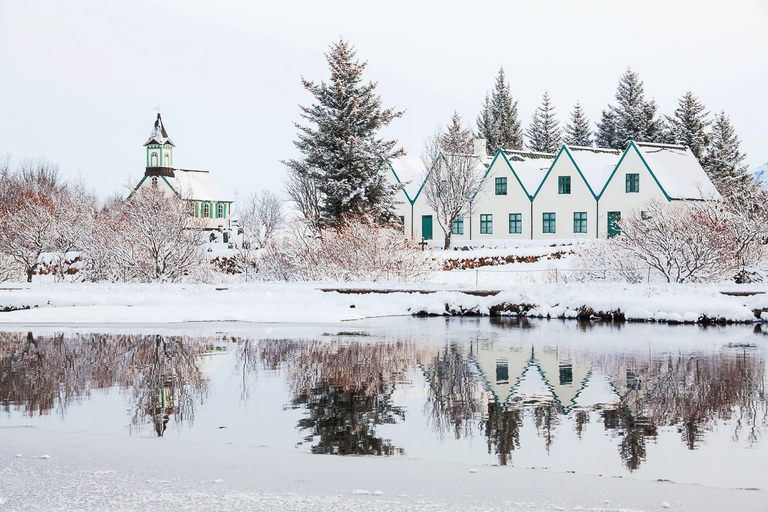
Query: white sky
{"x": 79, "y": 79}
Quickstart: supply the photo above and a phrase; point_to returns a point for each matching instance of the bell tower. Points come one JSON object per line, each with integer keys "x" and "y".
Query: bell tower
{"x": 159, "y": 151}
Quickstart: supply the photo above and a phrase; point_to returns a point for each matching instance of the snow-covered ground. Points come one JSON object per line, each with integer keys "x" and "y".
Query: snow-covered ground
{"x": 305, "y": 302}
{"x": 42, "y": 470}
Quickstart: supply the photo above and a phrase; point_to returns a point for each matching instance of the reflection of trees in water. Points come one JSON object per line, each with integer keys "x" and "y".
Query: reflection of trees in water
{"x": 546, "y": 415}
{"x": 694, "y": 390}
{"x": 43, "y": 373}
{"x": 634, "y": 433}
{"x": 502, "y": 430}
{"x": 345, "y": 388}
{"x": 455, "y": 391}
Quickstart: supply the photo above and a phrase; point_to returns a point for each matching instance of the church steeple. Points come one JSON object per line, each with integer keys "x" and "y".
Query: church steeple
{"x": 159, "y": 151}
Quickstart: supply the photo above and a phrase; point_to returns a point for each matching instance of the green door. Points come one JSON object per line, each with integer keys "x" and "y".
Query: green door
{"x": 613, "y": 224}
{"x": 426, "y": 227}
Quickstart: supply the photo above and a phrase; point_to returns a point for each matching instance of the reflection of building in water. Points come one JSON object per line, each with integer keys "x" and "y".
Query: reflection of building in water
{"x": 504, "y": 365}
{"x": 164, "y": 407}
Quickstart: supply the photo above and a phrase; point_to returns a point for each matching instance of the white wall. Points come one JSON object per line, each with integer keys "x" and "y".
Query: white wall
{"x": 564, "y": 205}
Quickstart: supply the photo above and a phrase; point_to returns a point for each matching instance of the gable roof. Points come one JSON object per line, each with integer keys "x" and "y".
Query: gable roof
{"x": 530, "y": 168}
{"x": 159, "y": 136}
{"x": 197, "y": 185}
{"x": 677, "y": 171}
{"x": 595, "y": 164}
{"x": 409, "y": 171}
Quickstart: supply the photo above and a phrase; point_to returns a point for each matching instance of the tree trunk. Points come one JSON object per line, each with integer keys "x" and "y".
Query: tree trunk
{"x": 29, "y": 274}
{"x": 447, "y": 244}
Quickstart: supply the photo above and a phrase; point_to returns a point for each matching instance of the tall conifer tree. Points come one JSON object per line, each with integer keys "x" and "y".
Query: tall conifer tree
{"x": 341, "y": 148}
{"x": 577, "y": 132}
{"x": 544, "y": 133}
{"x": 723, "y": 160}
{"x": 498, "y": 123}
{"x": 689, "y": 123}
{"x": 633, "y": 118}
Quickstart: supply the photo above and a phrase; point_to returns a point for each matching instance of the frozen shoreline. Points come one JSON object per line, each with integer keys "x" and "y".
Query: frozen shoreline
{"x": 305, "y": 303}
{"x": 103, "y": 472}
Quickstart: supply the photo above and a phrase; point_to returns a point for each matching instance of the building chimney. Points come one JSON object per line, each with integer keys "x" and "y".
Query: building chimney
{"x": 480, "y": 151}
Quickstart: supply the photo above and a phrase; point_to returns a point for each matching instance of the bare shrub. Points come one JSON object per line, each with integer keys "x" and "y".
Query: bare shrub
{"x": 358, "y": 249}
{"x": 604, "y": 260}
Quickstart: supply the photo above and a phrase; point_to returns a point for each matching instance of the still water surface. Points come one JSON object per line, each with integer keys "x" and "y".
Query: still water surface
{"x": 682, "y": 403}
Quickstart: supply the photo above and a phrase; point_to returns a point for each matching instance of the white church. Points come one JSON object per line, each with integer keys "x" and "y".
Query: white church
{"x": 579, "y": 192}
{"x": 212, "y": 204}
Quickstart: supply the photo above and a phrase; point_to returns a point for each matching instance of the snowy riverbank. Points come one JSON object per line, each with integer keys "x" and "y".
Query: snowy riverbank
{"x": 42, "y": 470}
{"x": 306, "y": 303}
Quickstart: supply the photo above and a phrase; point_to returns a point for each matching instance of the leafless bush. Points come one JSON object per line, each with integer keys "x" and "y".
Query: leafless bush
{"x": 603, "y": 260}
{"x": 358, "y": 249}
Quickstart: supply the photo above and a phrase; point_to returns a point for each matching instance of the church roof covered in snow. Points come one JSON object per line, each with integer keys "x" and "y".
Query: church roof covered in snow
{"x": 595, "y": 164}
{"x": 677, "y": 170}
{"x": 159, "y": 136}
{"x": 197, "y": 185}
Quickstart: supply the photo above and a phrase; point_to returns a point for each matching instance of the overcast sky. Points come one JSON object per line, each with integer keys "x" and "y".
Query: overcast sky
{"x": 79, "y": 80}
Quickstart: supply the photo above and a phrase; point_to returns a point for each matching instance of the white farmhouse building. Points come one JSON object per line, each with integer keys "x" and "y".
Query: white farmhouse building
{"x": 580, "y": 192}
{"x": 196, "y": 186}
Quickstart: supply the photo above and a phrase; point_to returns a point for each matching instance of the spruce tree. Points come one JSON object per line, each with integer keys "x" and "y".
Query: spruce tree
{"x": 688, "y": 125}
{"x": 633, "y": 119}
{"x": 498, "y": 123}
{"x": 341, "y": 149}
{"x": 544, "y": 133}
{"x": 723, "y": 161}
{"x": 577, "y": 132}
{"x": 457, "y": 140}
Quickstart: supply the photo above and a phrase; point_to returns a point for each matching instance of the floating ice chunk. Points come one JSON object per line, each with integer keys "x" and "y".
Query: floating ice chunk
{"x": 664, "y": 504}
{"x": 18, "y": 455}
{"x": 218, "y": 481}
{"x": 104, "y": 472}
{"x": 361, "y": 492}
{"x": 46, "y": 456}
{"x": 473, "y": 470}
{"x": 377, "y": 493}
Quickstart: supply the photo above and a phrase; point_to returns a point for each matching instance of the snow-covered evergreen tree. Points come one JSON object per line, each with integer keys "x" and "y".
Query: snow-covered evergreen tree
{"x": 577, "y": 132}
{"x": 688, "y": 125}
{"x": 632, "y": 119}
{"x": 723, "y": 161}
{"x": 544, "y": 133}
{"x": 498, "y": 123}
{"x": 342, "y": 151}
{"x": 457, "y": 140}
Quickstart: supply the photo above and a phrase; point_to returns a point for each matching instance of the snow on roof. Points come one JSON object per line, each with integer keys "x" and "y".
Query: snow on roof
{"x": 596, "y": 164}
{"x": 198, "y": 185}
{"x": 678, "y": 171}
{"x": 530, "y": 167}
{"x": 159, "y": 135}
{"x": 411, "y": 173}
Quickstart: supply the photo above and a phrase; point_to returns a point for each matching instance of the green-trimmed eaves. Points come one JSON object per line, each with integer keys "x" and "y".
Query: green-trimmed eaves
{"x": 564, "y": 149}
{"x": 501, "y": 152}
{"x": 633, "y": 146}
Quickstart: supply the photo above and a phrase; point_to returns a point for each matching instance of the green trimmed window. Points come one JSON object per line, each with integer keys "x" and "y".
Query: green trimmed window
{"x": 563, "y": 184}
{"x": 580, "y": 222}
{"x": 457, "y": 228}
{"x": 207, "y": 210}
{"x": 501, "y": 186}
{"x": 633, "y": 183}
{"x": 486, "y": 224}
{"x": 515, "y": 223}
{"x": 220, "y": 212}
{"x": 549, "y": 223}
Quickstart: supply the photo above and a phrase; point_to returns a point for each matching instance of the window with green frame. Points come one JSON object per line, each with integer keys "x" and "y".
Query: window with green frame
{"x": 563, "y": 184}
{"x": 633, "y": 183}
{"x": 515, "y": 223}
{"x": 549, "y": 223}
{"x": 486, "y": 224}
{"x": 580, "y": 222}
{"x": 457, "y": 228}
{"x": 501, "y": 186}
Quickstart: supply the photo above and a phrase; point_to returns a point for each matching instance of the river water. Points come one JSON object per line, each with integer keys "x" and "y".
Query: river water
{"x": 646, "y": 401}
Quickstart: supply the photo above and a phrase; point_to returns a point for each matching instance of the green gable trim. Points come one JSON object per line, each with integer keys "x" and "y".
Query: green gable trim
{"x": 632, "y": 146}
{"x": 564, "y": 149}
{"x": 504, "y": 157}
